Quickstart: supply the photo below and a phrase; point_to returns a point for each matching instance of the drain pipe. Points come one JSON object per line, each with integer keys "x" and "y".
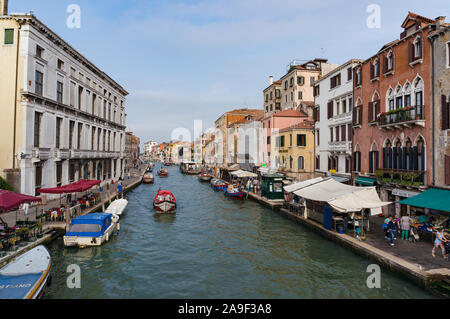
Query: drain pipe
{"x": 432, "y": 113}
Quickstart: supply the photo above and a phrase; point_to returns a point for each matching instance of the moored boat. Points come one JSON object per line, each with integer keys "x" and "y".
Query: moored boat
{"x": 164, "y": 201}
{"x": 148, "y": 178}
{"x": 26, "y": 276}
{"x": 163, "y": 172}
{"x": 230, "y": 191}
{"x": 117, "y": 207}
{"x": 204, "y": 177}
{"x": 91, "y": 229}
{"x": 218, "y": 184}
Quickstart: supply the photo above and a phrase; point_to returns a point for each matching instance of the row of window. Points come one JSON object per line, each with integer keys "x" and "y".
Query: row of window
{"x": 280, "y": 140}
{"x": 105, "y": 141}
{"x": 300, "y": 81}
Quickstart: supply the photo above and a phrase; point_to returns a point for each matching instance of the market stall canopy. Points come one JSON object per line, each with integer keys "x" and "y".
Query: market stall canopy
{"x": 267, "y": 170}
{"x": 433, "y": 198}
{"x": 296, "y": 186}
{"x": 242, "y": 174}
{"x": 80, "y": 186}
{"x": 234, "y": 167}
{"x": 9, "y": 200}
{"x": 343, "y": 198}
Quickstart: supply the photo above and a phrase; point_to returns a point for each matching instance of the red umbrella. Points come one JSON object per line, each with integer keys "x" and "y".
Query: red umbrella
{"x": 9, "y": 200}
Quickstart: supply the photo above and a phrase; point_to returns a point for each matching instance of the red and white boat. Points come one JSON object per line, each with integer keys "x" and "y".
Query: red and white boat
{"x": 164, "y": 201}
{"x": 163, "y": 172}
{"x": 148, "y": 179}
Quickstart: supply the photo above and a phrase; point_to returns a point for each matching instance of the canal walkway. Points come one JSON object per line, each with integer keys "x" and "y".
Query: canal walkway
{"x": 410, "y": 259}
{"x": 53, "y": 229}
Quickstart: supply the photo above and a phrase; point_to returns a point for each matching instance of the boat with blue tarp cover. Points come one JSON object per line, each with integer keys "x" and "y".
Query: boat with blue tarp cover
{"x": 91, "y": 229}
{"x": 26, "y": 276}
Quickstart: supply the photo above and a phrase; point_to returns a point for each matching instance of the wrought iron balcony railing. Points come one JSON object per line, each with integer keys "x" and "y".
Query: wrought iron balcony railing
{"x": 413, "y": 115}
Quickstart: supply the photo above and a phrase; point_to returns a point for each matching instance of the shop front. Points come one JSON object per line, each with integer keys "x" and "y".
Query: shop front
{"x": 272, "y": 186}
{"x": 430, "y": 211}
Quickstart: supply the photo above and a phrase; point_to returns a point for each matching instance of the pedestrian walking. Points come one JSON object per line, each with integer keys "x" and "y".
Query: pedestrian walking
{"x": 405, "y": 226}
{"x": 439, "y": 242}
{"x": 392, "y": 227}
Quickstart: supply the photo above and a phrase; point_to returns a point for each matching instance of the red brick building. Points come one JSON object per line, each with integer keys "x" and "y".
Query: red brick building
{"x": 392, "y": 115}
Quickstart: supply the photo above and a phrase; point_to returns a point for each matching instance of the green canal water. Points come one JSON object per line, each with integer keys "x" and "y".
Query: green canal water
{"x": 215, "y": 247}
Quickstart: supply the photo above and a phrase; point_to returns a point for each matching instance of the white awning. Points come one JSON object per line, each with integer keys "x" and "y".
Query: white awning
{"x": 343, "y": 198}
{"x": 241, "y": 174}
{"x": 296, "y": 186}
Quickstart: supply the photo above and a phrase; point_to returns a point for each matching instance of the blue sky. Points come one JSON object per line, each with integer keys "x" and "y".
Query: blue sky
{"x": 192, "y": 60}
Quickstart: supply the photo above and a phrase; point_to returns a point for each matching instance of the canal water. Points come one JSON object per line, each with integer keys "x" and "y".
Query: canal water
{"x": 215, "y": 247}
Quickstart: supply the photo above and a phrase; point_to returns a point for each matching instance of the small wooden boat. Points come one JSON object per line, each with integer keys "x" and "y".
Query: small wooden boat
{"x": 234, "y": 193}
{"x": 163, "y": 172}
{"x": 91, "y": 229}
{"x": 117, "y": 207}
{"x": 164, "y": 201}
{"x": 26, "y": 276}
{"x": 218, "y": 184}
{"x": 204, "y": 177}
{"x": 148, "y": 178}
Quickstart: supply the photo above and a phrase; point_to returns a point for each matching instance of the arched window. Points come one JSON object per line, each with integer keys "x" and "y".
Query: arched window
{"x": 418, "y": 97}
{"x": 301, "y": 162}
{"x": 420, "y": 154}
{"x": 417, "y": 47}
{"x": 390, "y": 61}
{"x": 397, "y": 153}
{"x": 407, "y": 155}
{"x": 398, "y": 97}
{"x": 290, "y": 162}
{"x": 387, "y": 154}
{"x": 390, "y": 100}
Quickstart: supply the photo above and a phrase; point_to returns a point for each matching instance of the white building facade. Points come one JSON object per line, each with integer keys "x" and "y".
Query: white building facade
{"x": 73, "y": 114}
{"x": 333, "y": 97}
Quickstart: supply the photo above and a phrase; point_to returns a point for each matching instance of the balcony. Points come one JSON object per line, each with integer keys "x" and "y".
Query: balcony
{"x": 400, "y": 118}
{"x": 40, "y": 154}
{"x": 75, "y": 154}
{"x": 340, "y": 146}
{"x": 400, "y": 177}
{"x": 61, "y": 154}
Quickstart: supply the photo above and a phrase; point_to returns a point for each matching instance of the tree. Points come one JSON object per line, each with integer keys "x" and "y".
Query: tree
{"x": 5, "y": 185}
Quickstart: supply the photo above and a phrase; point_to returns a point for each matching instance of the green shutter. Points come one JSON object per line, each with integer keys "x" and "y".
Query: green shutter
{"x": 9, "y": 36}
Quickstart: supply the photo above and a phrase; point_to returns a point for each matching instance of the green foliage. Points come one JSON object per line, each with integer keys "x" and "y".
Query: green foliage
{"x": 5, "y": 185}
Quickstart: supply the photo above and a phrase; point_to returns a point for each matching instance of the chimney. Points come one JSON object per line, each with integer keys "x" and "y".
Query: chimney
{"x": 271, "y": 80}
{"x": 440, "y": 21}
{"x": 3, "y": 7}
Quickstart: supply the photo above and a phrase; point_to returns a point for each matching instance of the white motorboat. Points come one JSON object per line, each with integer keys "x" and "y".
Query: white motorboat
{"x": 91, "y": 229}
{"x": 117, "y": 207}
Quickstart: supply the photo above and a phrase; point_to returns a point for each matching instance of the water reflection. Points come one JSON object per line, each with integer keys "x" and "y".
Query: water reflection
{"x": 215, "y": 247}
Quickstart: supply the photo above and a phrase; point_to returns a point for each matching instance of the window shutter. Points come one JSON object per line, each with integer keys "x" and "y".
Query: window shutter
{"x": 377, "y": 110}
{"x": 361, "y": 115}
{"x": 415, "y": 159}
{"x": 404, "y": 164}
{"x": 354, "y": 161}
{"x": 371, "y": 70}
{"x": 444, "y": 110}
{"x": 385, "y": 64}
{"x": 370, "y": 115}
{"x": 394, "y": 159}
{"x": 420, "y": 49}
{"x": 359, "y": 161}
{"x": 330, "y": 109}
{"x": 370, "y": 162}
{"x": 410, "y": 52}
{"x": 384, "y": 157}
{"x": 354, "y": 116}
{"x": 376, "y": 160}
{"x": 390, "y": 157}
